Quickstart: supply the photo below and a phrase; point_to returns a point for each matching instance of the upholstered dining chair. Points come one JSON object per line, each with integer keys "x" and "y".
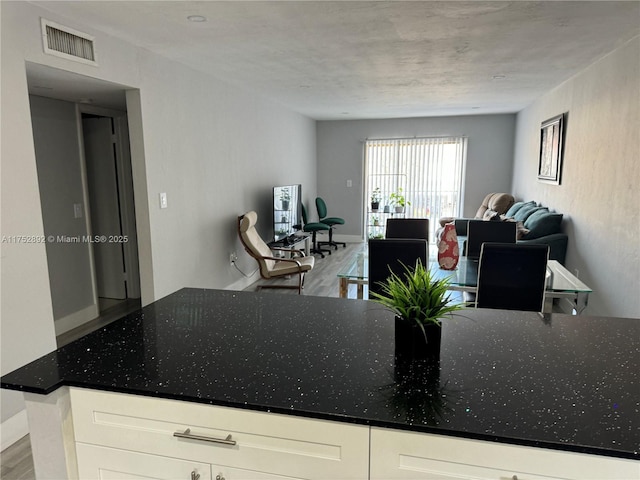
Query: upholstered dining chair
{"x": 391, "y": 255}
{"x": 331, "y": 221}
{"x": 407, "y": 228}
{"x": 483, "y": 231}
{"x": 512, "y": 276}
{"x": 314, "y": 228}
{"x": 272, "y": 267}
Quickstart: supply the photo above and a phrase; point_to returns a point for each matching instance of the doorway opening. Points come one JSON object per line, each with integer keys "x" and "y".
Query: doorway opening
{"x": 112, "y": 213}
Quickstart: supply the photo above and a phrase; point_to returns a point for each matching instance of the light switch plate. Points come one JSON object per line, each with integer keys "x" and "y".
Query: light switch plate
{"x": 163, "y": 200}
{"x": 77, "y": 210}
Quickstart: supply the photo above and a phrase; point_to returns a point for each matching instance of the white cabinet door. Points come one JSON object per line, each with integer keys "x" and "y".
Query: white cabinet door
{"x": 220, "y": 472}
{"x": 285, "y": 446}
{"x": 102, "y": 463}
{"x": 404, "y": 455}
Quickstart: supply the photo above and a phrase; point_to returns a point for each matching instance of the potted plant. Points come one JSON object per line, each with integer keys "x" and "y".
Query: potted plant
{"x": 398, "y": 199}
{"x": 376, "y": 196}
{"x": 420, "y": 301}
{"x": 376, "y": 221}
{"x": 285, "y": 198}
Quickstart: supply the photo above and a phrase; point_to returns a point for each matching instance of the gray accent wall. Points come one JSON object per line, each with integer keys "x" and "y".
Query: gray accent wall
{"x": 599, "y": 193}
{"x": 341, "y": 158}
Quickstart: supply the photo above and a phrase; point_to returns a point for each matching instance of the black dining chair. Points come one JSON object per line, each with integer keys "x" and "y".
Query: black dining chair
{"x": 482, "y": 231}
{"x": 390, "y": 255}
{"x": 407, "y": 228}
{"x": 512, "y": 276}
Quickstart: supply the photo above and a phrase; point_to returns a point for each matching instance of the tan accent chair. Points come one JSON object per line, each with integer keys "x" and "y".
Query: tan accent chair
{"x": 272, "y": 267}
{"x": 494, "y": 203}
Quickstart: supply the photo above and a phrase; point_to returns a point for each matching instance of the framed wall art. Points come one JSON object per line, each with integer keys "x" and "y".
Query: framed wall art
{"x": 551, "y": 149}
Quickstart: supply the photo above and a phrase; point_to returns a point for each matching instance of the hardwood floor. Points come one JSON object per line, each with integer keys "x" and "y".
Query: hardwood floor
{"x": 16, "y": 462}
{"x": 322, "y": 281}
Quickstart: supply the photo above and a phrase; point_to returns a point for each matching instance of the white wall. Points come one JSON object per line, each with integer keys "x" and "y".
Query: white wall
{"x": 216, "y": 150}
{"x": 55, "y": 136}
{"x": 340, "y": 158}
{"x": 599, "y": 191}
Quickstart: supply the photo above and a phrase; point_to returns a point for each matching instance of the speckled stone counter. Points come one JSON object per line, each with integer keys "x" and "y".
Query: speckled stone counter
{"x": 564, "y": 382}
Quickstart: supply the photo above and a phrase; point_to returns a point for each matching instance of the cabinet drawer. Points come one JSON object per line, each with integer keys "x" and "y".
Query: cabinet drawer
{"x": 111, "y": 464}
{"x": 398, "y": 454}
{"x": 264, "y": 442}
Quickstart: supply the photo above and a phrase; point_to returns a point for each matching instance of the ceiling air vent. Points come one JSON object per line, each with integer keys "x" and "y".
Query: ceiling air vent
{"x": 68, "y": 43}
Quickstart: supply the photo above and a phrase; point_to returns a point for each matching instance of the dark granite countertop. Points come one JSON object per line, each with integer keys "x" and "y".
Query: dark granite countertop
{"x": 563, "y": 382}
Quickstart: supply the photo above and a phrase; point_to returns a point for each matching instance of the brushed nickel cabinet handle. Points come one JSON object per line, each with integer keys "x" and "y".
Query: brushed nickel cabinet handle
{"x": 187, "y": 434}
{"x": 220, "y": 477}
{"x": 195, "y": 476}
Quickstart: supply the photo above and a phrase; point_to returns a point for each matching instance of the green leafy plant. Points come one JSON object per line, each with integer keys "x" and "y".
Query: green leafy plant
{"x": 398, "y": 199}
{"x": 285, "y": 196}
{"x": 376, "y": 195}
{"x": 416, "y": 296}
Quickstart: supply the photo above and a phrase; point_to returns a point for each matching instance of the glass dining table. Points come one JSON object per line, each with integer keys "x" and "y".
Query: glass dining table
{"x": 560, "y": 282}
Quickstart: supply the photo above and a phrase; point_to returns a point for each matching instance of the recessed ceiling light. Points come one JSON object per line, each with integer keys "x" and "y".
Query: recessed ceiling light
{"x": 86, "y": 100}
{"x": 196, "y": 18}
{"x": 499, "y": 77}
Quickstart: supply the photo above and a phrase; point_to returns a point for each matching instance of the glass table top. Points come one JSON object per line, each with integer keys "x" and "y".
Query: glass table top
{"x": 466, "y": 273}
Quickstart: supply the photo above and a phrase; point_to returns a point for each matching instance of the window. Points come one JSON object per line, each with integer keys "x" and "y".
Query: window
{"x": 427, "y": 170}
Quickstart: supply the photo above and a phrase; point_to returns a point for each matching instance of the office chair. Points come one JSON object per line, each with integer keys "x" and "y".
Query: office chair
{"x": 331, "y": 221}
{"x": 387, "y": 254}
{"x": 272, "y": 267}
{"x": 512, "y": 276}
{"x": 314, "y": 228}
{"x": 482, "y": 231}
{"x": 407, "y": 228}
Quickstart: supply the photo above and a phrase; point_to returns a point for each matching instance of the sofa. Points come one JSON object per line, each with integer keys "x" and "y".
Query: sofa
{"x": 535, "y": 224}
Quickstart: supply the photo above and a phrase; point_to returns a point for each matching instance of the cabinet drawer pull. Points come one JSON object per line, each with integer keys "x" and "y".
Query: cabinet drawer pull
{"x": 187, "y": 434}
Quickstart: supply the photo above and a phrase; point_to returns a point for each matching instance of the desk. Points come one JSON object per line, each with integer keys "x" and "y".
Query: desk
{"x": 299, "y": 241}
{"x": 464, "y": 279}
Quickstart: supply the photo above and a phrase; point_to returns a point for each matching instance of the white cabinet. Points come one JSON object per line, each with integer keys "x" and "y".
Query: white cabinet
{"x": 233, "y": 443}
{"x": 112, "y": 464}
{"x": 404, "y": 455}
{"x": 87, "y": 434}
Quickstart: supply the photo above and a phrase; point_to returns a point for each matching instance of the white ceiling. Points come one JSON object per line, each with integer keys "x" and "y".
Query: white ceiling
{"x": 363, "y": 59}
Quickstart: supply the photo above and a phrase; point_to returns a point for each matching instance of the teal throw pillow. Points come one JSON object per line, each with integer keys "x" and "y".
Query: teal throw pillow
{"x": 527, "y": 210}
{"x": 514, "y": 208}
{"x": 542, "y": 223}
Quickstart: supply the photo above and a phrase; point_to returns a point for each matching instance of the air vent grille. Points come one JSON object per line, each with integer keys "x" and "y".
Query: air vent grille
{"x": 68, "y": 43}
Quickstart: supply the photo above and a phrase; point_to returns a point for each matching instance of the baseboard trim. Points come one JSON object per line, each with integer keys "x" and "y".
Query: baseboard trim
{"x": 13, "y": 429}
{"x": 64, "y": 324}
{"x": 346, "y": 238}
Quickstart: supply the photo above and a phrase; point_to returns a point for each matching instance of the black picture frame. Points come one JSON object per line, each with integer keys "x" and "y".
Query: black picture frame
{"x": 551, "y": 150}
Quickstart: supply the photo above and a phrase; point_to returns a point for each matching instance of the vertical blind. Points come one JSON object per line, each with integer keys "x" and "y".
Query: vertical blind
{"x": 428, "y": 170}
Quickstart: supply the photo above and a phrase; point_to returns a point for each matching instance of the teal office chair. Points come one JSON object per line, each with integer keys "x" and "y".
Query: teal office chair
{"x": 314, "y": 228}
{"x": 331, "y": 221}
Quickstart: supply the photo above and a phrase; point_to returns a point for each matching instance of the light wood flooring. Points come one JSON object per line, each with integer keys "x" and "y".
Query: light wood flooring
{"x": 16, "y": 462}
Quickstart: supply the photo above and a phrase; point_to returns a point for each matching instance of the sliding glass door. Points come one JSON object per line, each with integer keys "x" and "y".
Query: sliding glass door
{"x": 425, "y": 172}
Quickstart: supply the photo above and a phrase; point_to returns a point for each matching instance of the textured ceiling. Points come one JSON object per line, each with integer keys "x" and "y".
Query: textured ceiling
{"x": 358, "y": 59}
